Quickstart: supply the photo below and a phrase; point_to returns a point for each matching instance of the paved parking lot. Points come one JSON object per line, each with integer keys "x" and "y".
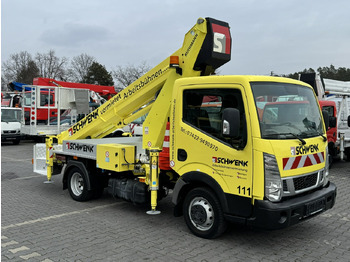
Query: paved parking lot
{"x": 40, "y": 222}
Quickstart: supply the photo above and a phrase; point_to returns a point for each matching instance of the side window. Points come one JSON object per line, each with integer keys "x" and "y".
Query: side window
{"x": 27, "y": 99}
{"x": 329, "y": 109}
{"x": 194, "y": 111}
{"x": 203, "y": 109}
{"x": 44, "y": 99}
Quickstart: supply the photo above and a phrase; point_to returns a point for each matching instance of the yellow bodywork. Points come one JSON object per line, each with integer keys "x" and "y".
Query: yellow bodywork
{"x": 115, "y": 157}
{"x": 241, "y": 172}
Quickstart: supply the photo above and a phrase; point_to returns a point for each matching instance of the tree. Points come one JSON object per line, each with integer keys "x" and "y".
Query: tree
{"x": 27, "y": 74}
{"x": 51, "y": 66}
{"x": 80, "y": 67}
{"x": 341, "y": 73}
{"x": 296, "y": 74}
{"x": 19, "y": 67}
{"x": 3, "y": 84}
{"x": 128, "y": 74}
{"x": 331, "y": 72}
{"x": 98, "y": 75}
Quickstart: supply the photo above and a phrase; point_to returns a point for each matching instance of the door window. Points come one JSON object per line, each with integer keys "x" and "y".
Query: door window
{"x": 203, "y": 109}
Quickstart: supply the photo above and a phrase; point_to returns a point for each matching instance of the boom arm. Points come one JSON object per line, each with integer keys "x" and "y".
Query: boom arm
{"x": 206, "y": 47}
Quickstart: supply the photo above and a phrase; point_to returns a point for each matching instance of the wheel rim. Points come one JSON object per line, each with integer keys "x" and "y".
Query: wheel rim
{"x": 201, "y": 213}
{"x": 77, "y": 184}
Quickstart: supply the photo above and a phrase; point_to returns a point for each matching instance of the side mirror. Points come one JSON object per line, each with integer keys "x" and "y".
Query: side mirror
{"x": 230, "y": 123}
{"x": 326, "y": 118}
{"x": 332, "y": 121}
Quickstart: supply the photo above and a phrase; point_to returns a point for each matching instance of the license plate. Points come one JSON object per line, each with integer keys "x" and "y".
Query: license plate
{"x": 314, "y": 207}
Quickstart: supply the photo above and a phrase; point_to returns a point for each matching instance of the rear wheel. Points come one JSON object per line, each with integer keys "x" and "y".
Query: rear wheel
{"x": 203, "y": 213}
{"x": 77, "y": 185}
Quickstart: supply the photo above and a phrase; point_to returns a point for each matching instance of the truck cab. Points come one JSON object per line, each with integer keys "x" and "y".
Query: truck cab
{"x": 262, "y": 161}
{"x": 11, "y": 124}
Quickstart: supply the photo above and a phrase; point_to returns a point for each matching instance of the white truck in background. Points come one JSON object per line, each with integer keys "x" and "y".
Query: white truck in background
{"x": 338, "y": 92}
{"x": 11, "y": 124}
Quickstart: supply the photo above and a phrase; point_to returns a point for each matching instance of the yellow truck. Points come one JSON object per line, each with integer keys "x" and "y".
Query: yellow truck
{"x": 244, "y": 149}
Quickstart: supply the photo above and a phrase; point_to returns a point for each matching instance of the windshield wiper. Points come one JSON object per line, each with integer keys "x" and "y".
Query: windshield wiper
{"x": 317, "y": 133}
{"x": 320, "y": 134}
{"x": 303, "y": 142}
{"x": 324, "y": 137}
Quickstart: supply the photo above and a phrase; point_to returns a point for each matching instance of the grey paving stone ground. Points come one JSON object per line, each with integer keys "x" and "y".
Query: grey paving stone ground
{"x": 40, "y": 222}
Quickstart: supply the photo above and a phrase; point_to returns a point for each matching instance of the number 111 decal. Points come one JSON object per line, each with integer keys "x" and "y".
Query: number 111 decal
{"x": 244, "y": 190}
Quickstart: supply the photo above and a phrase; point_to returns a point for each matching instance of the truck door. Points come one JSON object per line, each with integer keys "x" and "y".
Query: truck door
{"x": 332, "y": 129}
{"x": 199, "y": 144}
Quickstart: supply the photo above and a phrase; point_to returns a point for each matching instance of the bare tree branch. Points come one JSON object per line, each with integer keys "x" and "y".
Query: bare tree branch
{"x": 17, "y": 68}
{"x": 125, "y": 75}
{"x": 51, "y": 66}
{"x": 79, "y": 67}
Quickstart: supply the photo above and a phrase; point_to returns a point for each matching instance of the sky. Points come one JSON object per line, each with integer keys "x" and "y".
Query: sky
{"x": 267, "y": 35}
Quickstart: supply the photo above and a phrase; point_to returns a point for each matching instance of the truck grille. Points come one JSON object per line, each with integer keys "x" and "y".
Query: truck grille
{"x": 298, "y": 184}
{"x": 9, "y": 131}
{"x": 305, "y": 181}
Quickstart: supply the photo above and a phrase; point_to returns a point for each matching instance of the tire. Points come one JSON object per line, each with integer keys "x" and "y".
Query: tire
{"x": 347, "y": 153}
{"x": 203, "y": 213}
{"x": 118, "y": 133}
{"x": 77, "y": 185}
{"x": 16, "y": 142}
{"x": 330, "y": 160}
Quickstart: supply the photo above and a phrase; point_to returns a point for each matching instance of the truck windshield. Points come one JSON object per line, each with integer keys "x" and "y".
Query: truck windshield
{"x": 10, "y": 115}
{"x": 286, "y": 111}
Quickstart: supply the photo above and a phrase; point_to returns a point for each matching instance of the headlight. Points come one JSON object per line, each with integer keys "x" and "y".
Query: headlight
{"x": 273, "y": 183}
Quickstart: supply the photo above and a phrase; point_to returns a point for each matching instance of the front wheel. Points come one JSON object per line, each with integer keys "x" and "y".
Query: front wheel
{"x": 347, "y": 153}
{"x": 203, "y": 213}
{"x": 77, "y": 185}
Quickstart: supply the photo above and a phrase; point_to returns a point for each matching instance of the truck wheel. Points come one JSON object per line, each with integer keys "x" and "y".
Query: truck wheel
{"x": 16, "y": 142}
{"x": 203, "y": 213}
{"x": 77, "y": 185}
{"x": 347, "y": 153}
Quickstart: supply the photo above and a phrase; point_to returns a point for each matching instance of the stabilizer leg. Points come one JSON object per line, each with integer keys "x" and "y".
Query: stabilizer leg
{"x": 154, "y": 186}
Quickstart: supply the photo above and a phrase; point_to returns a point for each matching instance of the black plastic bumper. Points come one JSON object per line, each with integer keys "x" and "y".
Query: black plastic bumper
{"x": 268, "y": 215}
{"x": 10, "y": 137}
